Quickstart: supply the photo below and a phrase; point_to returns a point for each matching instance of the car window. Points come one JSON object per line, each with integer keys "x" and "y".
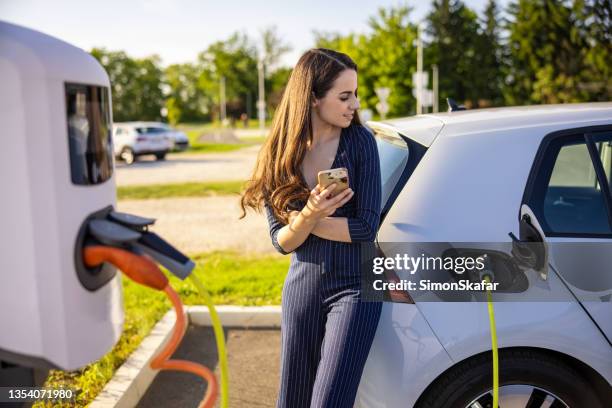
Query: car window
{"x": 574, "y": 202}
{"x": 604, "y": 147}
{"x": 393, "y": 159}
{"x": 399, "y": 155}
{"x": 150, "y": 130}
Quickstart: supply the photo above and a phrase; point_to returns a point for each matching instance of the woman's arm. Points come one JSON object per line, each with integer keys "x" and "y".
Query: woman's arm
{"x": 287, "y": 238}
{"x": 362, "y": 227}
{"x": 333, "y": 228}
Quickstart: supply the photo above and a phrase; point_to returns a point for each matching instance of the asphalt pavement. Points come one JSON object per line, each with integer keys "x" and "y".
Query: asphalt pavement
{"x": 254, "y": 364}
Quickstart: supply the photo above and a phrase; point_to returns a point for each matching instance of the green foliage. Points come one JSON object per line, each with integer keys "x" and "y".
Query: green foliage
{"x": 136, "y": 85}
{"x": 465, "y": 56}
{"x": 559, "y": 51}
{"x": 235, "y": 60}
{"x": 391, "y": 59}
{"x": 186, "y": 101}
{"x": 386, "y": 57}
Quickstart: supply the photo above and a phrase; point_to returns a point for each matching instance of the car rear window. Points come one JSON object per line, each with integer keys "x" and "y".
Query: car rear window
{"x": 399, "y": 156}
{"x": 150, "y": 130}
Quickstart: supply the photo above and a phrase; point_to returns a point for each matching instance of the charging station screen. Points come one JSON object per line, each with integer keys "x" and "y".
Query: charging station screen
{"x": 89, "y": 133}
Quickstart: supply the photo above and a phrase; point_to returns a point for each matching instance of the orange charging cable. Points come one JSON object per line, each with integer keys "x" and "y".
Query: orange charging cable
{"x": 145, "y": 272}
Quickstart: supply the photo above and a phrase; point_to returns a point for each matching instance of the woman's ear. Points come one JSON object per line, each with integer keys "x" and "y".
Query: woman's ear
{"x": 314, "y": 102}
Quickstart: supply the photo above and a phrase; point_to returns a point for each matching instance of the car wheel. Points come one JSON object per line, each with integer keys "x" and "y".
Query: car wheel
{"x": 160, "y": 156}
{"x": 526, "y": 379}
{"x": 127, "y": 155}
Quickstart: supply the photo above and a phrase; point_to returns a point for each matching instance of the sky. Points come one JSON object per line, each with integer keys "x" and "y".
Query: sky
{"x": 178, "y": 30}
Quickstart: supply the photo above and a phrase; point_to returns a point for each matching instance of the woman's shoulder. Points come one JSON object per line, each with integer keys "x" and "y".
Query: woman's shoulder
{"x": 361, "y": 138}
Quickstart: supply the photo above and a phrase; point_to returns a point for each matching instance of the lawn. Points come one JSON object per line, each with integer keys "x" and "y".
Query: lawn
{"x": 194, "y": 130}
{"x": 230, "y": 278}
{"x": 190, "y": 189}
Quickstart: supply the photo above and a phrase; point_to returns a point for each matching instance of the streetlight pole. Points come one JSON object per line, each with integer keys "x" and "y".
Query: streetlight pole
{"x": 222, "y": 112}
{"x": 261, "y": 103}
{"x": 435, "y": 88}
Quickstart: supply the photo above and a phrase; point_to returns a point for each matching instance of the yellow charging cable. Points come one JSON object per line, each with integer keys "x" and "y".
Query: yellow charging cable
{"x": 219, "y": 337}
{"x": 493, "y": 345}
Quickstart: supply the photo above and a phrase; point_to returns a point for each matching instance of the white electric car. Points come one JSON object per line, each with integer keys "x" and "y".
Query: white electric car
{"x": 542, "y": 173}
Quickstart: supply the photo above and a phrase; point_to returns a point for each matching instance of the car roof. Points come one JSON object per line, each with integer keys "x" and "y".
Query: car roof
{"x": 424, "y": 128}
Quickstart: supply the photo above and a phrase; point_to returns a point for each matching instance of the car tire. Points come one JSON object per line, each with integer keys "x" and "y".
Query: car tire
{"x": 541, "y": 376}
{"x": 161, "y": 156}
{"x": 127, "y": 155}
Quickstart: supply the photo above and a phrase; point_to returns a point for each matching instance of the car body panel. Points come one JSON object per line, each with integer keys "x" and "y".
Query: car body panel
{"x": 404, "y": 359}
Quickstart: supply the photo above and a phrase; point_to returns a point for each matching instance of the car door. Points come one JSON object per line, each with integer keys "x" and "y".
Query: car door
{"x": 567, "y": 205}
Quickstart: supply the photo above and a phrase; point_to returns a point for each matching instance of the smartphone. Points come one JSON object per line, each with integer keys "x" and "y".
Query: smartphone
{"x": 338, "y": 176}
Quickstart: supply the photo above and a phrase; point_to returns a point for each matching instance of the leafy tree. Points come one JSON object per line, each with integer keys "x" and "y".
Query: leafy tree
{"x": 390, "y": 59}
{"x": 275, "y": 86}
{"x": 136, "y": 85}
{"x": 491, "y": 53}
{"x": 274, "y": 48}
{"x": 386, "y": 58}
{"x": 455, "y": 46}
{"x": 186, "y": 102}
{"x": 236, "y": 60}
{"x": 560, "y": 51}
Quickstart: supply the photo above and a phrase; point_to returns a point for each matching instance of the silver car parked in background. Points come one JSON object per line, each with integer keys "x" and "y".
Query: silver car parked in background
{"x": 133, "y": 139}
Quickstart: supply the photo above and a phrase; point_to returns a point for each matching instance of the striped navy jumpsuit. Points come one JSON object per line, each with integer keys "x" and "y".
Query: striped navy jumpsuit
{"x": 326, "y": 329}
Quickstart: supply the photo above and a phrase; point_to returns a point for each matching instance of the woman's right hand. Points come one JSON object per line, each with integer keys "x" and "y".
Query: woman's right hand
{"x": 320, "y": 205}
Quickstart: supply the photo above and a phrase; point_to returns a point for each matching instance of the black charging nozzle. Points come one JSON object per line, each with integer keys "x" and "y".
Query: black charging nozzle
{"x": 131, "y": 232}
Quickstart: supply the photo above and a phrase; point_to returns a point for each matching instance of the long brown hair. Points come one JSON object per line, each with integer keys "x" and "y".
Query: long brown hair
{"x": 277, "y": 178}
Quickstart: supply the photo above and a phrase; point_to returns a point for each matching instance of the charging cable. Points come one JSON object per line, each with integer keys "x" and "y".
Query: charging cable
{"x": 144, "y": 271}
{"x": 495, "y": 404}
{"x": 219, "y": 337}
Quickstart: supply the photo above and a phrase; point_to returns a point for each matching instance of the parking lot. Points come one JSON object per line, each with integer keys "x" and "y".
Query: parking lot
{"x": 198, "y": 224}
{"x": 184, "y": 167}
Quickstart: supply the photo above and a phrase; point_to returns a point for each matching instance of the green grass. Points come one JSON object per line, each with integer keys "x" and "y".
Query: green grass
{"x": 194, "y": 130}
{"x": 214, "y": 147}
{"x": 191, "y": 189}
{"x": 229, "y": 277}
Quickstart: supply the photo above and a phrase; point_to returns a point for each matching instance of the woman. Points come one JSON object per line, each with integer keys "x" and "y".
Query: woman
{"x": 326, "y": 328}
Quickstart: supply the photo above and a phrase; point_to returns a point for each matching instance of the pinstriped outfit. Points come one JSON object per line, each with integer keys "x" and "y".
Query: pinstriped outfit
{"x": 326, "y": 329}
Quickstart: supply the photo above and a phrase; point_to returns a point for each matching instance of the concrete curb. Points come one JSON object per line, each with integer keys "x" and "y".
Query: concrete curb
{"x": 134, "y": 377}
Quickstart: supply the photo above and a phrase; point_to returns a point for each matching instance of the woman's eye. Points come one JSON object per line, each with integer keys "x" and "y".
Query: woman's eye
{"x": 344, "y": 99}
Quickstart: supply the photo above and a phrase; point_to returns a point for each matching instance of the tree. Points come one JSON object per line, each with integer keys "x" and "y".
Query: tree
{"x": 274, "y": 48}
{"x": 186, "y": 102}
{"x": 560, "y": 51}
{"x": 385, "y": 58}
{"x": 455, "y": 46}
{"x": 491, "y": 54}
{"x": 236, "y": 60}
{"x": 136, "y": 85}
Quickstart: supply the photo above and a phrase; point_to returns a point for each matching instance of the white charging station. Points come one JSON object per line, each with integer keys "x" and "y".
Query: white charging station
{"x": 56, "y": 166}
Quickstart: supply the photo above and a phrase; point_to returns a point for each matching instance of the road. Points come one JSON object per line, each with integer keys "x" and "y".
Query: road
{"x": 182, "y": 167}
{"x": 199, "y": 224}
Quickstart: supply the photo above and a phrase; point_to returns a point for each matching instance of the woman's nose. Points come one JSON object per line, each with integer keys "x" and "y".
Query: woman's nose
{"x": 356, "y": 105}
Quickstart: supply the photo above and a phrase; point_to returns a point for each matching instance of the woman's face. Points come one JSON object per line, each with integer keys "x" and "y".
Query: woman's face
{"x": 339, "y": 104}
